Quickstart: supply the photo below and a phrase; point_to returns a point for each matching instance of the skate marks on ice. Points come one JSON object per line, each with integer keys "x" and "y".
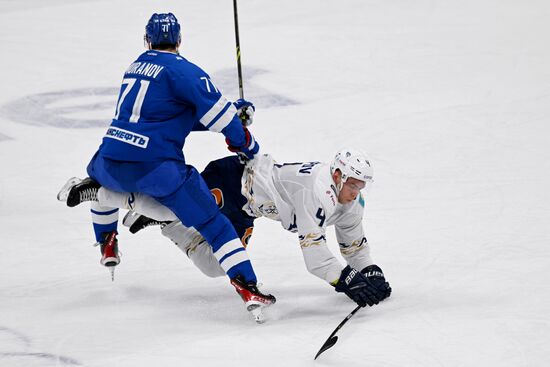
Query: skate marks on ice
{"x": 12, "y": 339}
{"x": 15, "y": 350}
{"x": 95, "y": 106}
{"x": 25, "y": 359}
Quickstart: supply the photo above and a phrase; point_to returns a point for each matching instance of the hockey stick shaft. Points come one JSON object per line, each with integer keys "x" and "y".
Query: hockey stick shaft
{"x": 332, "y": 339}
{"x": 238, "y": 46}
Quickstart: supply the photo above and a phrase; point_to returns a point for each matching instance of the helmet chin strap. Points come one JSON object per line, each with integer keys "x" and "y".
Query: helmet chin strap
{"x": 340, "y": 185}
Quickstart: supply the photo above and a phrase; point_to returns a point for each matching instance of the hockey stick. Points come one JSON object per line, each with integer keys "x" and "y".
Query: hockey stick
{"x": 238, "y": 45}
{"x": 243, "y": 115}
{"x": 332, "y": 339}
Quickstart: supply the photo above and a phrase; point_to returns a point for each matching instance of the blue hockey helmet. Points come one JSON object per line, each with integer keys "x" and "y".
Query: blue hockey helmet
{"x": 162, "y": 29}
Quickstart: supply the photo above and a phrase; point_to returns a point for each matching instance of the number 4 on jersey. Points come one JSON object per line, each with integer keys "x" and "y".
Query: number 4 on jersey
{"x": 321, "y": 216}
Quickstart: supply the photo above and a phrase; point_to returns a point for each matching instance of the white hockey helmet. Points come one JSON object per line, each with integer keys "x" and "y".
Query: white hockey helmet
{"x": 352, "y": 163}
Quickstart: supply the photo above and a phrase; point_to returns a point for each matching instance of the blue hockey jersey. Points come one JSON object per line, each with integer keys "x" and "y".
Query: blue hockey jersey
{"x": 163, "y": 98}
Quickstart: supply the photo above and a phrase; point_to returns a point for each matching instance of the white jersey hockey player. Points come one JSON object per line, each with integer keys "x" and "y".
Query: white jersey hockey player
{"x": 304, "y": 197}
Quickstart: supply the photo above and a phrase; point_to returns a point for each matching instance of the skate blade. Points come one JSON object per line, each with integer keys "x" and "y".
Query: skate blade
{"x": 257, "y": 312}
{"x": 63, "y": 194}
{"x": 112, "y": 271}
{"x": 110, "y": 263}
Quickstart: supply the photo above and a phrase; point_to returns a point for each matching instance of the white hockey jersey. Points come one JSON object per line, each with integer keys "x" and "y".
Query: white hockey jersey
{"x": 302, "y": 196}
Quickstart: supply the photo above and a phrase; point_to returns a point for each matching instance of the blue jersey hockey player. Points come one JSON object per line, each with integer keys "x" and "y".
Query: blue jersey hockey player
{"x": 163, "y": 98}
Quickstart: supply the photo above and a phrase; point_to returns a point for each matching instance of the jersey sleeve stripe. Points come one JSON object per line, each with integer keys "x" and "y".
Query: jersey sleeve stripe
{"x": 223, "y": 120}
{"x": 214, "y": 111}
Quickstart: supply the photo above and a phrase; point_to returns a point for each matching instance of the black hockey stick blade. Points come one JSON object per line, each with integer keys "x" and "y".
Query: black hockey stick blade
{"x": 328, "y": 344}
{"x": 332, "y": 339}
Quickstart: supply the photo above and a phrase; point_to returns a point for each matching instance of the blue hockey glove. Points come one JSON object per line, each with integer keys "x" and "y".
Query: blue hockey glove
{"x": 245, "y": 111}
{"x": 249, "y": 149}
{"x": 356, "y": 286}
{"x": 376, "y": 278}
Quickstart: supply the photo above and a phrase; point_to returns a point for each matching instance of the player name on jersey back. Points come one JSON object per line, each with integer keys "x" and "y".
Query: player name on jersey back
{"x": 145, "y": 69}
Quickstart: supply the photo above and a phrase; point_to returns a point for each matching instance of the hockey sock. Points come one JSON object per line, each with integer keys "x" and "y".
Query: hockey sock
{"x": 227, "y": 247}
{"x": 104, "y": 219}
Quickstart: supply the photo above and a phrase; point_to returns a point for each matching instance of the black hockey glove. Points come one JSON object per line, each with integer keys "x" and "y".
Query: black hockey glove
{"x": 356, "y": 286}
{"x": 376, "y": 279}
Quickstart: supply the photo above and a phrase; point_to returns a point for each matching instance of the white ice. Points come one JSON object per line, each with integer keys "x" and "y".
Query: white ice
{"x": 450, "y": 98}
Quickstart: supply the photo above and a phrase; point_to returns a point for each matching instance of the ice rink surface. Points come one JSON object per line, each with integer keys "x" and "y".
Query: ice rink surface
{"x": 450, "y": 98}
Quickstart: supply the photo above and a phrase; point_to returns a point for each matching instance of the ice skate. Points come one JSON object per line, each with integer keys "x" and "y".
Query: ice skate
{"x": 254, "y": 300}
{"x": 109, "y": 252}
{"x": 76, "y": 191}
{"x": 136, "y": 222}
